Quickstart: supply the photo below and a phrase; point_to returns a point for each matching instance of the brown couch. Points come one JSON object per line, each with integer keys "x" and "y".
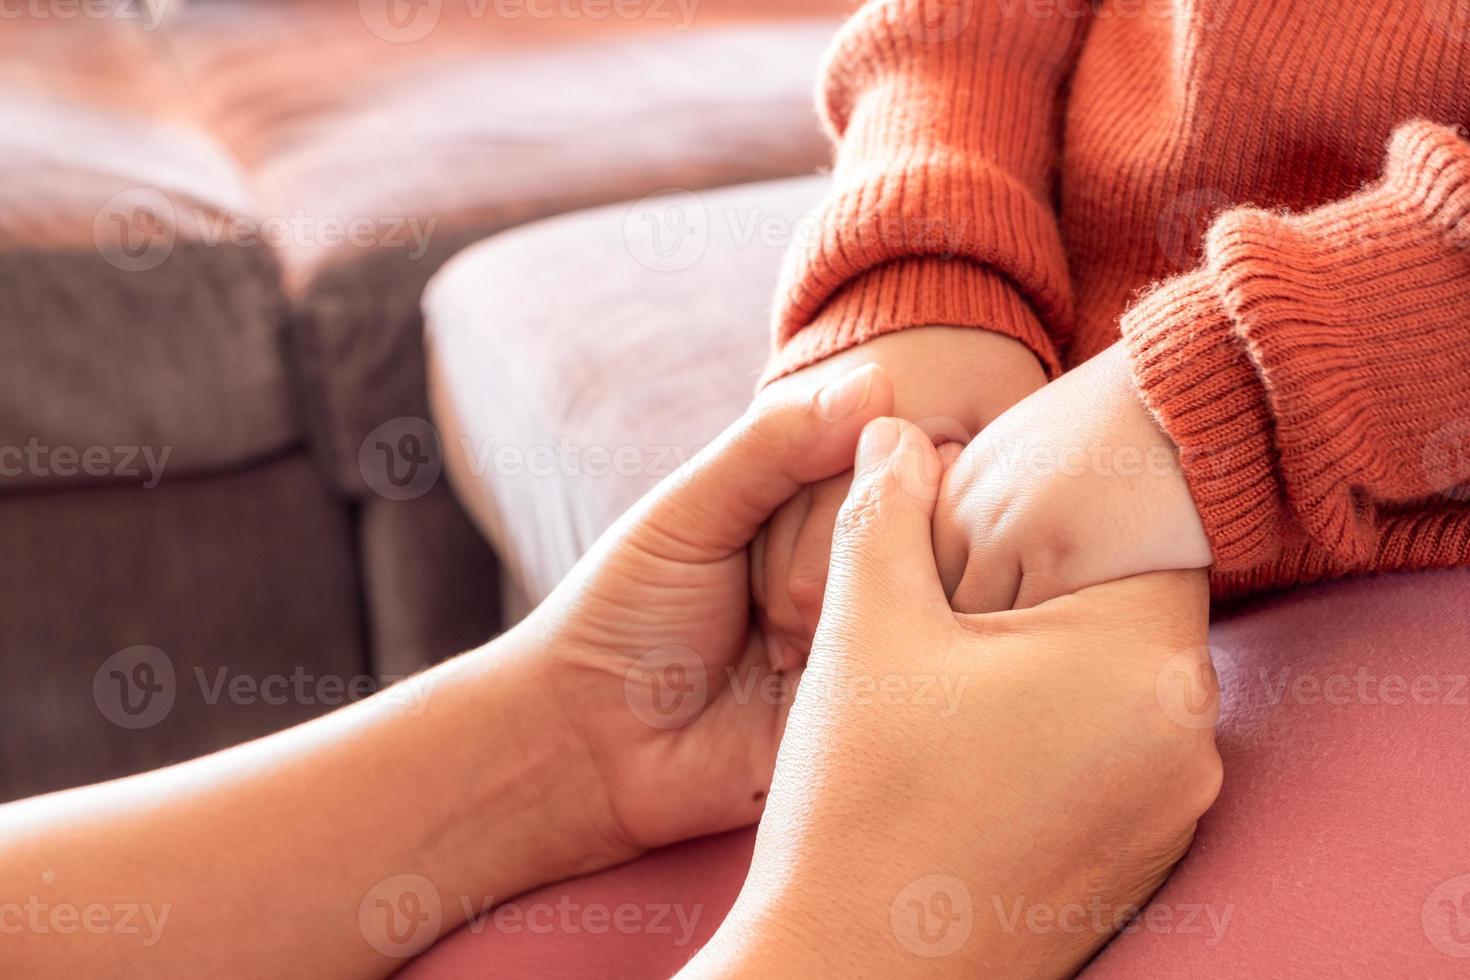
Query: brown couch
{"x": 215, "y": 227}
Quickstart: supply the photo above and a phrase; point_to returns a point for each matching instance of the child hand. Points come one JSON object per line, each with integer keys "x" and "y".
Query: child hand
{"x": 951, "y": 382}
{"x": 1075, "y": 486}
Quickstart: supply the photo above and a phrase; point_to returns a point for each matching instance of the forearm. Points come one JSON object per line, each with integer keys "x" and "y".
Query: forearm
{"x": 271, "y": 858}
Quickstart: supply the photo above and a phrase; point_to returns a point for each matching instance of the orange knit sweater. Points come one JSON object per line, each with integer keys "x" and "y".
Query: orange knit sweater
{"x": 1210, "y": 178}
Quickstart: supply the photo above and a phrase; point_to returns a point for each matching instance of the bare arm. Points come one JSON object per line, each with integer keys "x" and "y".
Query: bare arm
{"x": 334, "y": 849}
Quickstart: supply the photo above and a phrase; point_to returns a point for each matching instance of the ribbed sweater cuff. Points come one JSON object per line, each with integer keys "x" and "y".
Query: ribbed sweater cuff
{"x": 1197, "y": 380}
{"x": 914, "y": 293}
{"x": 1305, "y": 368}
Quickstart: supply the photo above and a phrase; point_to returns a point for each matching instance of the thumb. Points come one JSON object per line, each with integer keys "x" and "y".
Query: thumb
{"x": 882, "y": 545}
{"x": 715, "y": 504}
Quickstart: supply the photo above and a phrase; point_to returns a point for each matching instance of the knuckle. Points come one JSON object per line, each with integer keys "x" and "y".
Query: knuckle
{"x": 865, "y": 508}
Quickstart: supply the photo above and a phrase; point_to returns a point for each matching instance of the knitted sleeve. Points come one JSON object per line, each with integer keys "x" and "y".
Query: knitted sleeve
{"x": 945, "y": 115}
{"x": 1315, "y": 373}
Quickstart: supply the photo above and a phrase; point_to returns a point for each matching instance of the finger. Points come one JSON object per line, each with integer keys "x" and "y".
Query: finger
{"x": 806, "y": 579}
{"x": 716, "y": 503}
{"x": 1169, "y": 608}
{"x": 882, "y": 546}
{"x": 771, "y": 554}
{"x": 989, "y": 584}
{"x": 976, "y": 579}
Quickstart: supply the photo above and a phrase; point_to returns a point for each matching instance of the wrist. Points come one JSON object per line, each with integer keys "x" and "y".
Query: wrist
{"x": 764, "y": 936}
{"x": 535, "y": 802}
{"x": 953, "y": 381}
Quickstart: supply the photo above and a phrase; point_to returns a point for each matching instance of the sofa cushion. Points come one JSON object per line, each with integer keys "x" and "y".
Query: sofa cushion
{"x": 484, "y": 123}
{"x": 212, "y": 579}
{"x": 1335, "y": 850}
{"x": 578, "y": 360}
{"x": 132, "y": 322}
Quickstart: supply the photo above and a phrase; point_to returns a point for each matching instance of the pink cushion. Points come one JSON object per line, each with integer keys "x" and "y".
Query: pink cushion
{"x": 1336, "y": 848}
{"x": 573, "y": 344}
{"x": 644, "y": 919}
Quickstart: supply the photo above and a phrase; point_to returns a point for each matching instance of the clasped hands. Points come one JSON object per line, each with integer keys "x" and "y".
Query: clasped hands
{"x": 1064, "y": 766}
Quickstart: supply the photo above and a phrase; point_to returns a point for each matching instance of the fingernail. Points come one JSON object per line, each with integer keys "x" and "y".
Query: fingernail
{"x": 839, "y": 399}
{"x": 879, "y": 438}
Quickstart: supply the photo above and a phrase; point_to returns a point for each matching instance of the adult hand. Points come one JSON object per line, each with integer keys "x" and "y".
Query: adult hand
{"x": 1074, "y": 486}
{"x": 648, "y": 648}
{"x": 951, "y": 381}
{"x": 943, "y": 774}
